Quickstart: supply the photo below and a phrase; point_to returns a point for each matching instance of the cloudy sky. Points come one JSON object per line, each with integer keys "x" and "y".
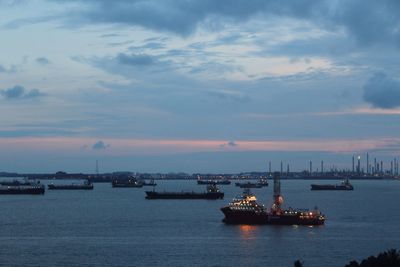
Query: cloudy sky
{"x": 190, "y": 85}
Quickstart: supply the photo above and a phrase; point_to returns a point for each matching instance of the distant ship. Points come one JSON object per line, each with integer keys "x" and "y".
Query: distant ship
{"x": 246, "y": 210}
{"x": 259, "y": 184}
{"x": 213, "y": 181}
{"x": 345, "y": 185}
{"x": 87, "y": 185}
{"x": 212, "y": 193}
{"x": 131, "y": 182}
{"x": 16, "y": 182}
{"x": 36, "y": 189}
{"x": 248, "y": 185}
{"x": 151, "y": 183}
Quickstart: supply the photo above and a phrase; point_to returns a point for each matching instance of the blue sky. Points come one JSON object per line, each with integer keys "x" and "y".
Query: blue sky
{"x": 219, "y": 86}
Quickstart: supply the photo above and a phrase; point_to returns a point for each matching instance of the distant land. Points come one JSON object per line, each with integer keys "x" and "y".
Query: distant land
{"x": 108, "y": 177}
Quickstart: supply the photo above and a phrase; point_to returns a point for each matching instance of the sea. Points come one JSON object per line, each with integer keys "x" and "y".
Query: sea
{"x": 119, "y": 227}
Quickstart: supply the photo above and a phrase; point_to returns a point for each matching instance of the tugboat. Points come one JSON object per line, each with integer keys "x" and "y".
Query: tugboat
{"x": 31, "y": 189}
{"x": 87, "y": 185}
{"x": 212, "y": 193}
{"x": 131, "y": 182}
{"x": 345, "y": 185}
{"x": 246, "y": 210}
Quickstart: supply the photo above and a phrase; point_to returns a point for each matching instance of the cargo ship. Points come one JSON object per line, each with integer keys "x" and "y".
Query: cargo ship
{"x": 87, "y": 185}
{"x": 213, "y": 181}
{"x": 212, "y": 193}
{"x": 16, "y": 183}
{"x": 123, "y": 183}
{"x": 259, "y": 184}
{"x": 37, "y": 189}
{"x": 246, "y": 210}
{"x": 345, "y": 185}
{"x": 248, "y": 185}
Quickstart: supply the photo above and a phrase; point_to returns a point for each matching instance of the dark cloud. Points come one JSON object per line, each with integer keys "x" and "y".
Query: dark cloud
{"x": 42, "y": 61}
{"x": 368, "y": 21}
{"x": 382, "y": 91}
{"x": 19, "y": 92}
{"x": 136, "y": 59}
{"x": 100, "y": 145}
{"x": 229, "y": 144}
{"x": 232, "y": 143}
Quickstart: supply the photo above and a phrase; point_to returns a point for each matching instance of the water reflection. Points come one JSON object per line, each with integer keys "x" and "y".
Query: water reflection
{"x": 248, "y": 231}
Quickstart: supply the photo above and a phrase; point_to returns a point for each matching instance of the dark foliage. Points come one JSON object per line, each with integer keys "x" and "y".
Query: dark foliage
{"x": 390, "y": 258}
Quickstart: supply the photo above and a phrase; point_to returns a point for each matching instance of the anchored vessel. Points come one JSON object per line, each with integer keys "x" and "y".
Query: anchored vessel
{"x": 131, "y": 182}
{"x": 259, "y": 184}
{"x": 214, "y": 181}
{"x": 246, "y": 210}
{"x": 211, "y": 193}
{"x": 151, "y": 183}
{"x": 345, "y": 185}
{"x": 37, "y": 189}
{"x": 87, "y": 185}
{"x": 16, "y": 182}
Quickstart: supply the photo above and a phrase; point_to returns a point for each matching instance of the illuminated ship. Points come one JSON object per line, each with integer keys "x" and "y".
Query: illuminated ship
{"x": 246, "y": 210}
{"x": 212, "y": 193}
{"x": 345, "y": 185}
{"x": 87, "y": 185}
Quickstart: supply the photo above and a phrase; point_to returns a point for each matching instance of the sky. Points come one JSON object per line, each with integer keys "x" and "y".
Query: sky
{"x": 197, "y": 86}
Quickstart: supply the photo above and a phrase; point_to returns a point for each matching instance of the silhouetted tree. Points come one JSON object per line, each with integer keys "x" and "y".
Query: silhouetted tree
{"x": 390, "y": 258}
{"x": 298, "y": 263}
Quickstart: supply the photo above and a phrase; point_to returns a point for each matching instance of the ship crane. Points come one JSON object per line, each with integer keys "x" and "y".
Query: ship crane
{"x": 278, "y": 199}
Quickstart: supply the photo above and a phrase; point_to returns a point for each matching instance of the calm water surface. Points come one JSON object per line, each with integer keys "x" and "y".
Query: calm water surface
{"x": 118, "y": 227}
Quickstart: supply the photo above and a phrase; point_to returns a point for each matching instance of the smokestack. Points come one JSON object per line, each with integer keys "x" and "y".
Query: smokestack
{"x": 391, "y": 167}
{"x": 310, "y": 167}
{"x": 322, "y": 166}
{"x": 270, "y": 172}
{"x": 367, "y": 163}
{"x": 281, "y": 167}
{"x": 381, "y": 166}
{"x": 358, "y": 165}
{"x": 353, "y": 163}
{"x": 376, "y": 169}
{"x": 288, "y": 170}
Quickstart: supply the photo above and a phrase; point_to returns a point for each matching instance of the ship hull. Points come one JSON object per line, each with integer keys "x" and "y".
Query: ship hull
{"x": 127, "y": 185}
{"x": 213, "y": 182}
{"x": 331, "y": 187}
{"x": 260, "y": 218}
{"x": 17, "y": 190}
{"x": 70, "y": 187}
{"x": 183, "y": 195}
{"x": 243, "y": 217}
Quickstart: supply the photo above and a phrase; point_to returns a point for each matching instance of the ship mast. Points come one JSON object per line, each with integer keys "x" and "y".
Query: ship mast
{"x": 278, "y": 199}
